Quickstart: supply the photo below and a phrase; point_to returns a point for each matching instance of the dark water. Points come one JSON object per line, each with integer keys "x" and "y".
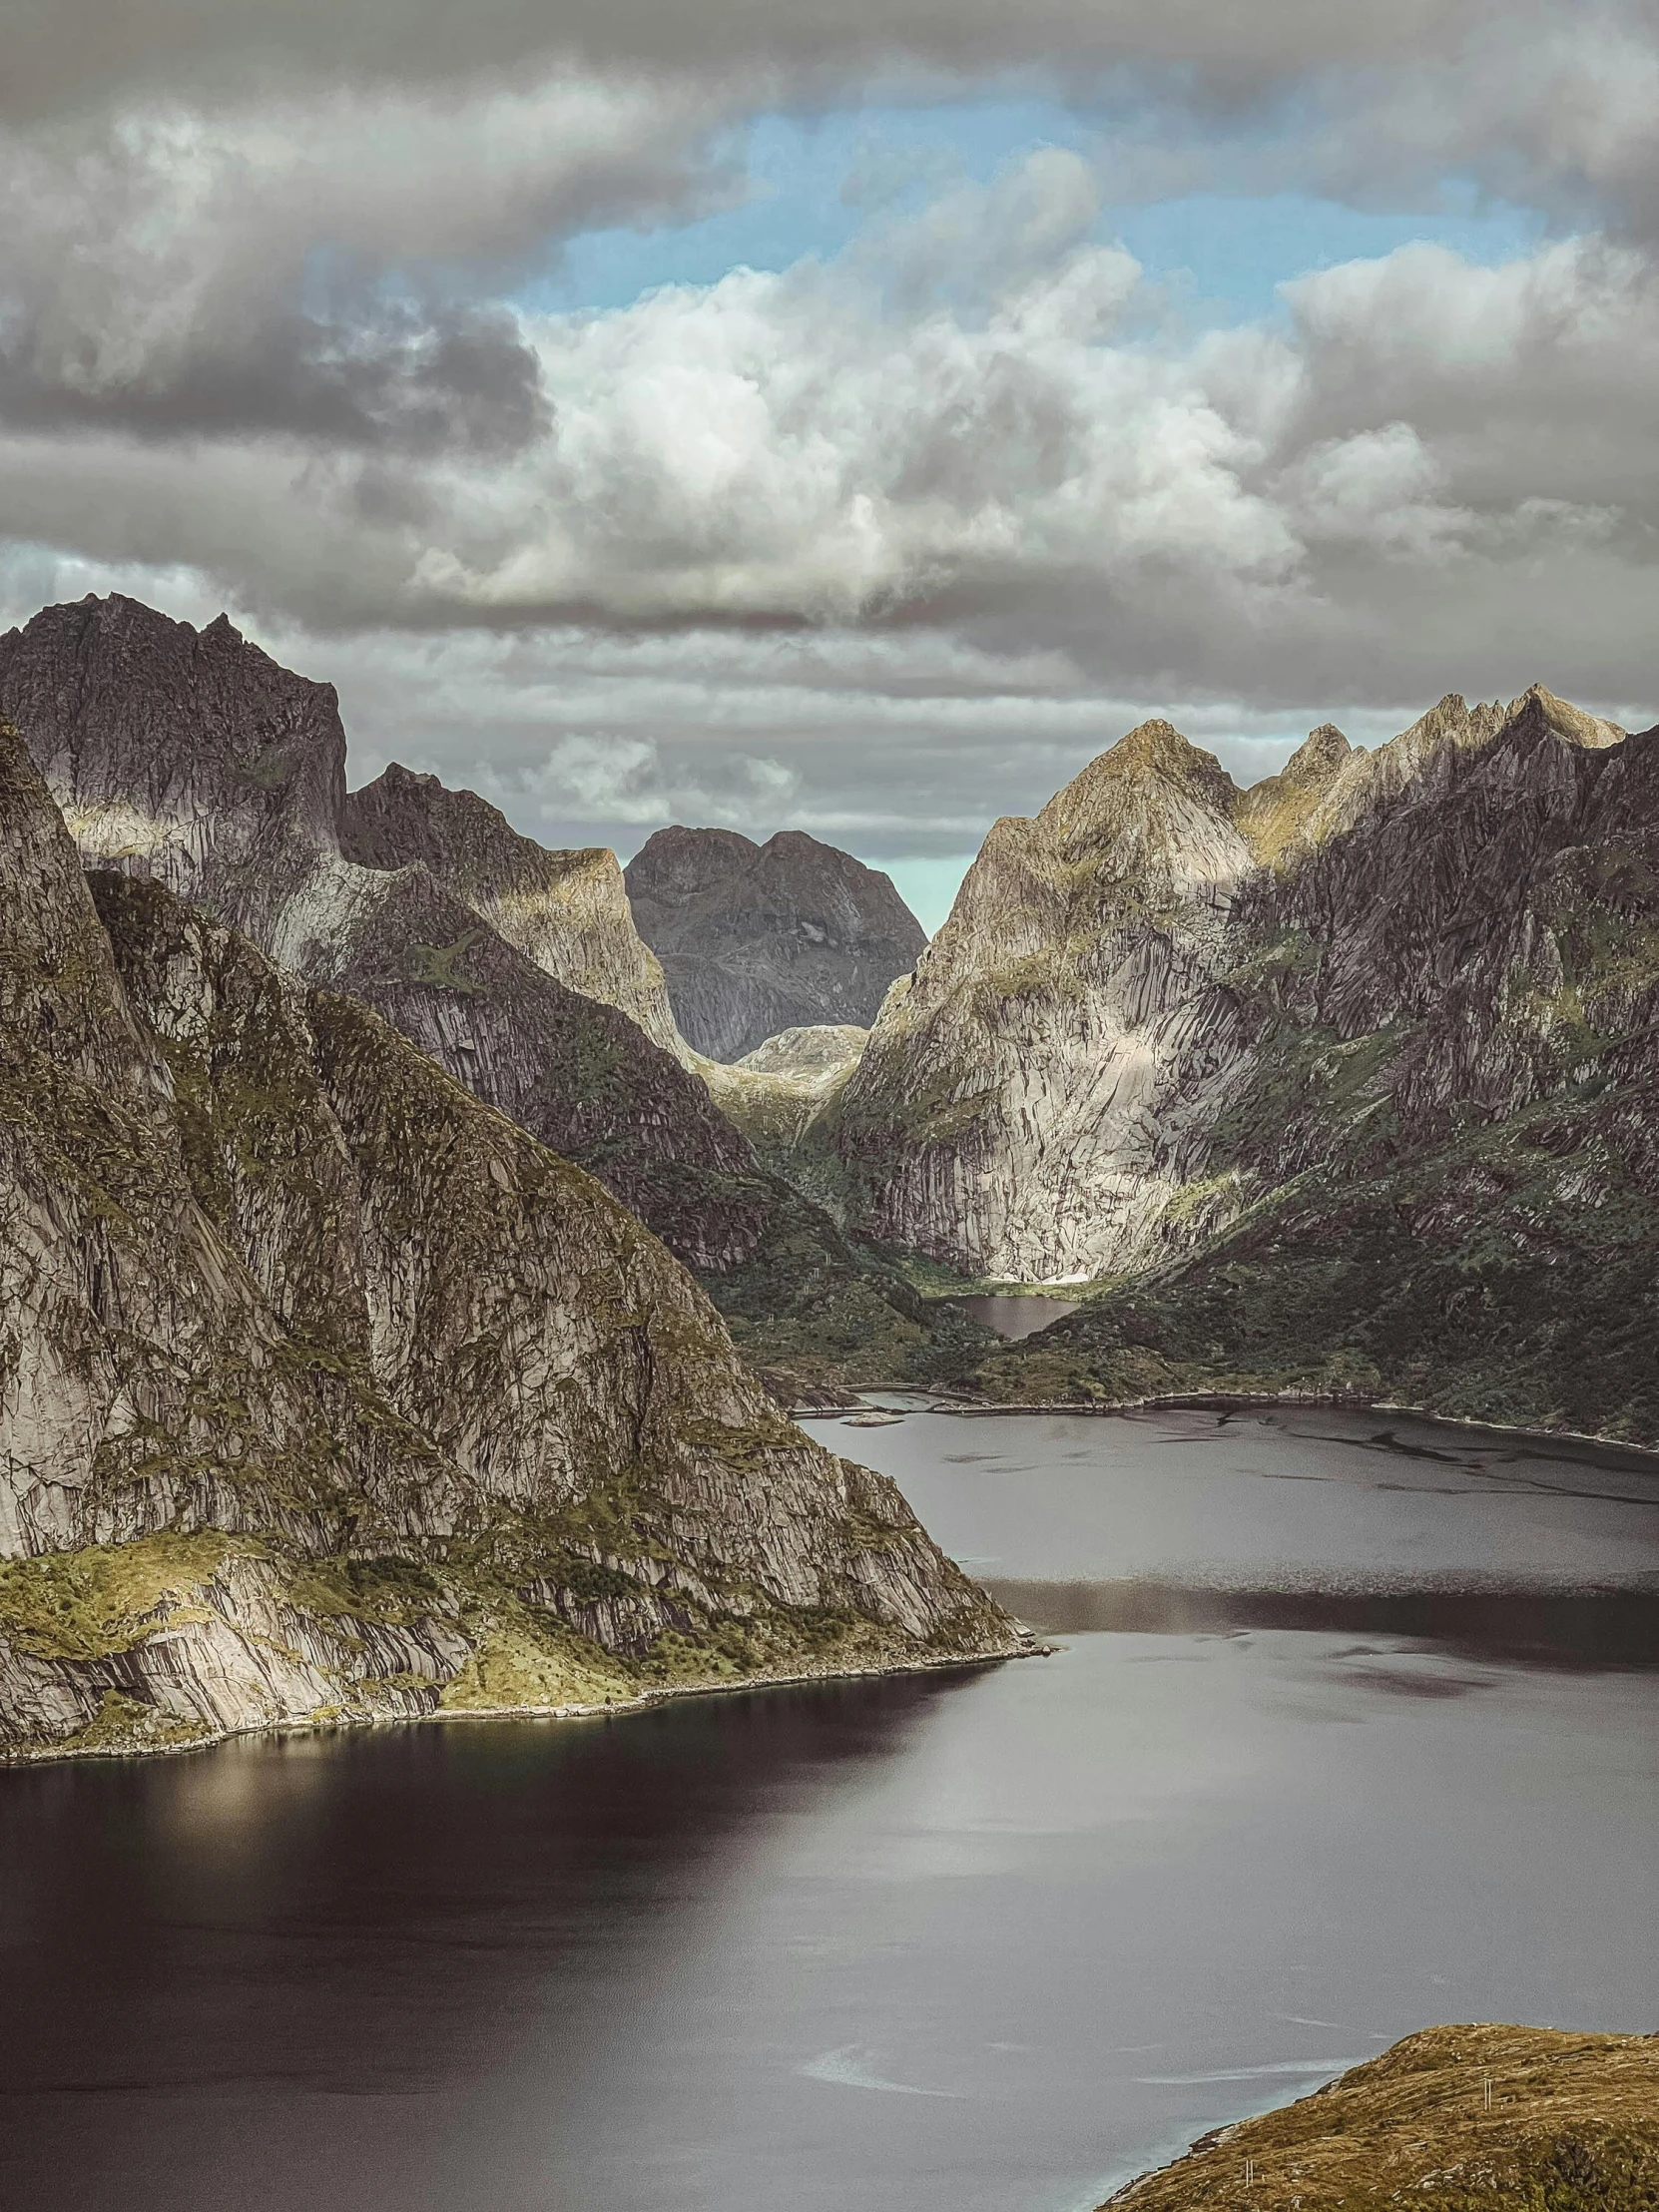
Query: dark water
{"x": 1343, "y": 1739}
{"x": 1014, "y": 1318}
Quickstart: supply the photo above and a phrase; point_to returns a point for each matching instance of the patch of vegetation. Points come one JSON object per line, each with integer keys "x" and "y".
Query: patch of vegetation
{"x": 124, "y": 1724}
{"x": 439, "y": 965}
{"x": 1455, "y": 2120}
{"x": 89, "y": 1604}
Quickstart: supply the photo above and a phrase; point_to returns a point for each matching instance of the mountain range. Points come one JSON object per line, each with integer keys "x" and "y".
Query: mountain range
{"x": 192, "y": 760}
{"x": 388, "y": 1277}
{"x": 1346, "y": 1082}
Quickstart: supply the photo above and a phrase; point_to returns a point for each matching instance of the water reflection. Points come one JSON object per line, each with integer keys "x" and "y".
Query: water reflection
{"x": 1550, "y": 1628}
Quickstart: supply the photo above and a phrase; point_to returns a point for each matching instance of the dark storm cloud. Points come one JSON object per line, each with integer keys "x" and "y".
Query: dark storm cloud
{"x": 390, "y": 377}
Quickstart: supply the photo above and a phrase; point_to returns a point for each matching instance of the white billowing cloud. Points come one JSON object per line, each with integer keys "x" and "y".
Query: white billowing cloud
{"x": 836, "y": 443}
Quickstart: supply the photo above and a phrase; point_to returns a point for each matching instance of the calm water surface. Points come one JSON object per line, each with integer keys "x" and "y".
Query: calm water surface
{"x": 1014, "y": 1318}
{"x": 1345, "y": 1736}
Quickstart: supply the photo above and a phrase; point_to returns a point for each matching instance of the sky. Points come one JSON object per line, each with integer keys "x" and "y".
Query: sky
{"x": 848, "y": 420}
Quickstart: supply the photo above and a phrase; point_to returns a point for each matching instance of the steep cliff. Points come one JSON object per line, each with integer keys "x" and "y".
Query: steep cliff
{"x": 1434, "y": 1175}
{"x": 325, "y": 1389}
{"x": 1031, "y": 1104}
{"x": 566, "y": 911}
{"x": 756, "y": 939}
{"x": 194, "y": 760}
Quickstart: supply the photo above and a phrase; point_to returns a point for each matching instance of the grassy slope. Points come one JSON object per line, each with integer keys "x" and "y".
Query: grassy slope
{"x": 1573, "y": 2126}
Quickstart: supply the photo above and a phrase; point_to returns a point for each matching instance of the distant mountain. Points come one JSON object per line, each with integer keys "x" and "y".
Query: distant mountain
{"x": 1346, "y": 1082}
{"x": 325, "y": 1390}
{"x": 756, "y": 939}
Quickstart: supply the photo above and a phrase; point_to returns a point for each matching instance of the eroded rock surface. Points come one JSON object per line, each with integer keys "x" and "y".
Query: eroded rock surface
{"x": 566, "y": 911}
{"x": 1434, "y": 1172}
{"x": 324, "y": 1387}
{"x": 194, "y": 760}
{"x": 757, "y": 938}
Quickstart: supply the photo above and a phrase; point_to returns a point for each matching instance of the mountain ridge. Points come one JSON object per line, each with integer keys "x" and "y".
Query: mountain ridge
{"x": 759, "y": 939}
{"x": 328, "y": 1391}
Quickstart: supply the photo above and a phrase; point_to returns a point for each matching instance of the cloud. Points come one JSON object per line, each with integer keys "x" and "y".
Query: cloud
{"x": 880, "y": 545}
{"x": 1431, "y": 463}
{"x": 322, "y": 269}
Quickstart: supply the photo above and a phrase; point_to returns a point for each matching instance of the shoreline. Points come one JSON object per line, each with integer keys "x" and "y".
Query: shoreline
{"x": 1029, "y": 1647}
{"x": 1223, "y": 1401}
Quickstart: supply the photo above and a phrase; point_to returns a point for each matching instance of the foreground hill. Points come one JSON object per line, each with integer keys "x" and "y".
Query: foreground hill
{"x": 1572, "y": 2125}
{"x": 325, "y": 1389}
{"x": 759, "y": 939}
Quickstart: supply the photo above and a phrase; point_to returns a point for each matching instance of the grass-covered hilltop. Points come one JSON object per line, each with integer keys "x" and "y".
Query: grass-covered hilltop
{"x": 1456, "y": 2119}
{"x": 327, "y": 1390}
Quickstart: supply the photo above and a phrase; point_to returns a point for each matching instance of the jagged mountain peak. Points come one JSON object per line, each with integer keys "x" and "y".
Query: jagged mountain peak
{"x": 1593, "y": 732}
{"x": 407, "y": 813}
{"x": 566, "y": 910}
{"x": 1153, "y": 752}
{"x": 1274, "y": 813}
{"x": 1318, "y": 756}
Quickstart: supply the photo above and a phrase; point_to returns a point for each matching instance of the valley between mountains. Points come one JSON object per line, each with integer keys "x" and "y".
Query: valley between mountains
{"x": 404, "y": 1300}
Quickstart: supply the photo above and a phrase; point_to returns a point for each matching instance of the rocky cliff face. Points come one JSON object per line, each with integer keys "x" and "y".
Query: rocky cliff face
{"x": 755, "y": 939}
{"x": 1044, "y": 1102}
{"x": 1435, "y": 1172}
{"x": 566, "y": 911}
{"x": 195, "y": 761}
{"x": 1030, "y": 1106}
{"x": 325, "y": 1389}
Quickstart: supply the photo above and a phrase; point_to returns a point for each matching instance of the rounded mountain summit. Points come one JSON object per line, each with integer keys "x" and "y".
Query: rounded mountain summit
{"x": 754, "y": 938}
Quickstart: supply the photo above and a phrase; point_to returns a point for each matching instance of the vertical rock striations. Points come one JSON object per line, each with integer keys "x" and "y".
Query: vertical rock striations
{"x": 1441, "y": 1136}
{"x": 1029, "y": 1106}
{"x": 324, "y": 1387}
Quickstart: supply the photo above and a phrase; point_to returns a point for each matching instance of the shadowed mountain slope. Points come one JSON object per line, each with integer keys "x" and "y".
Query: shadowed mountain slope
{"x": 566, "y": 911}
{"x": 191, "y": 759}
{"x": 1432, "y": 1172}
{"x": 757, "y": 938}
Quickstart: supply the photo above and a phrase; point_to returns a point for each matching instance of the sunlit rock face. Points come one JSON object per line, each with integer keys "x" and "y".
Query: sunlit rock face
{"x": 324, "y": 1387}
{"x": 758, "y": 938}
{"x": 1026, "y": 1107}
{"x": 567, "y": 911}
{"x": 1048, "y": 1099}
